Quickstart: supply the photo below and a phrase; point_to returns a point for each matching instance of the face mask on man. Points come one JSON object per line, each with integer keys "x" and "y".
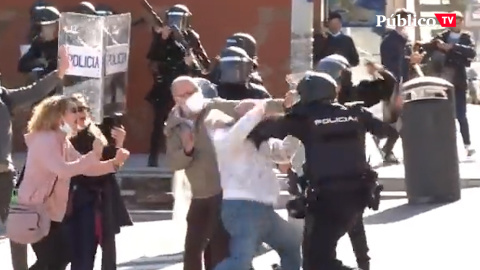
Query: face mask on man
{"x": 195, "y": 103}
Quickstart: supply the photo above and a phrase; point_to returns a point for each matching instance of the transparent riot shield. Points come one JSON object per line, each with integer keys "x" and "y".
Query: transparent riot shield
{"x": 83, "y": 37}
{"x": 117, "y": 49}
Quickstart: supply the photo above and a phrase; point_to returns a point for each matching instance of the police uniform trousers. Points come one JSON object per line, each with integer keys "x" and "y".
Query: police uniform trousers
{"x": 358, "y": 238}
{"x": 160, "y": 97}
{"x": 330, "y": 214}
{"x": 18, "y": 251}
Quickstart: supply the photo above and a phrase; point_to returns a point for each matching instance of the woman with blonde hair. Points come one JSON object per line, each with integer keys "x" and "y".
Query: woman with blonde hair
{"x": 97, "y": 211}
{"x": 51, "y": 162}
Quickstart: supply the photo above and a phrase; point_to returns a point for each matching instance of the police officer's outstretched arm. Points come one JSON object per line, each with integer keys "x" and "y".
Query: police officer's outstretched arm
{"x": 376, "y": 126}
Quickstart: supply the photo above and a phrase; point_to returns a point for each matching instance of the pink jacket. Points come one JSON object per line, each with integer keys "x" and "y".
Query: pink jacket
{"x": 51, "y": 155}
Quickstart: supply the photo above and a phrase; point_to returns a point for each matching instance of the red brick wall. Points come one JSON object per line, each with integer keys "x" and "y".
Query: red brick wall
{"x": 267, "y": 20}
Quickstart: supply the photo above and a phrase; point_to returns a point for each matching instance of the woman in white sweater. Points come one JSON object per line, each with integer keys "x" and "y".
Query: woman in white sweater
{"x": 250, "y": 190}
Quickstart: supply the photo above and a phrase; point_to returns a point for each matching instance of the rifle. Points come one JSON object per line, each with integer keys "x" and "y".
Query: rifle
{"x": 192, "y": 48}
{"x": 156, "y": 19}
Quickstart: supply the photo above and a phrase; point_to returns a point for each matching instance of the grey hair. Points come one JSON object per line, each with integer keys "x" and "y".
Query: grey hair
{"x": 181, "y": 79}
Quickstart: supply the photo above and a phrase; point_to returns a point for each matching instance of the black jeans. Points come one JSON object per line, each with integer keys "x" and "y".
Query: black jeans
{"x": 84, "y": 239}
{"x": 53, "y": 251}
{"x": 461, "y": 113}
{"x": 329, "y": 216}
{"x": 358, "y": 238}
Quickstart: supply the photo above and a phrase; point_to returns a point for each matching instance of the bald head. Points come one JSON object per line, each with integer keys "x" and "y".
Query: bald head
{"x": 182, "y": 88}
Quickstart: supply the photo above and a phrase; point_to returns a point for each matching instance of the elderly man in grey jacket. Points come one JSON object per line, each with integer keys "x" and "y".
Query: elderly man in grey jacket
{"x": 11, "y": 99}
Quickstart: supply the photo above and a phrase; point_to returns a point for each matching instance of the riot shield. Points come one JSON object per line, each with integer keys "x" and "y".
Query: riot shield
{"x": 117, "y": 40}
{"x": 82, "y": 35}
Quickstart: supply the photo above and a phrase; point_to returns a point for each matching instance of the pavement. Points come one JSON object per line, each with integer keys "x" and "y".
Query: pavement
{"x": 401, "y": 236}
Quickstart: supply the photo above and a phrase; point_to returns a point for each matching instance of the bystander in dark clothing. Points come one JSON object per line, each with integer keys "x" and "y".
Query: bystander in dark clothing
{"x": 166, "y": 63}
{"x": 395, "y": 51}
{"x": 457, "y": 59}
{"x": 334, "y": 42}
{"x": 96, "y": 211}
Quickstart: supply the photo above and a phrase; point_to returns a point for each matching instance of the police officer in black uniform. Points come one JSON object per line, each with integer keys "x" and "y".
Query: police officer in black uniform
{"x": 41, "y": 58}
{"x": 248, "y": 43}
{"x": 86, "y": 8}
{"x": 340, "y": 179}
{"x": 104, "y": 10}
{"x": 235, "y": 67}
{"x": 167, "y": 60}
{"x": 34, "y": 26}
{"x": 370, "y": 92}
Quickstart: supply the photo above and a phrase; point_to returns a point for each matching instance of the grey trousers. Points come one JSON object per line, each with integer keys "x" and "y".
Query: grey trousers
{"x": 18, "y": 251}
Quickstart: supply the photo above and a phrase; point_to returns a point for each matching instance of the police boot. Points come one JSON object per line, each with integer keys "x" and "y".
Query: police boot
{"x": 364, "y": 265}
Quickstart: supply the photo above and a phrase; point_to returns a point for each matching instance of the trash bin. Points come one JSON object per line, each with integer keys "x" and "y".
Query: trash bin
{"x": 429, "y": 141}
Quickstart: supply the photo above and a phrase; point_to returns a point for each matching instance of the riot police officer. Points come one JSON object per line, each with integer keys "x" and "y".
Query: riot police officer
{"x": 168, "y": 59}
{"x": 104, "y": 10}
{"x": 235, "y": 67}
{"x": 370, "y": 92}
{"x": 41, "y": 58}
{"x": 248, "y": 43}
{"x": 86, "y": 8}
{"x": 340, "y": 178}
{"x": 34, "y": 26}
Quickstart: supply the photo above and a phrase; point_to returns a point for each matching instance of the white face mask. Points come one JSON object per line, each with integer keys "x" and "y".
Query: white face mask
{"x": 195, "y": 103}
{"x": 66, "y": 128}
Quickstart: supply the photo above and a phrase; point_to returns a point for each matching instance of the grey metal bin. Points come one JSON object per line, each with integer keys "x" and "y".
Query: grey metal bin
{"x": 429, "y": 141}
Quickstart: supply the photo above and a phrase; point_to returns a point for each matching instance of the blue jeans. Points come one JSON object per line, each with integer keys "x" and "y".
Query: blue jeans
{"x": 461, "y": 113}
{"x": 250, "y": 223}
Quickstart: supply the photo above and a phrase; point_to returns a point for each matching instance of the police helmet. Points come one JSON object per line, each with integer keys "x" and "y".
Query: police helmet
{"x": 104, "y": 10}
{"x": 86, "y": 8}
{"x": 178, "y": 17}
{"x": 235, "y": 65}
{"x": 44, "y": 15}
{"x": 316, "y": 86}
{"x": 244, "y": 41}
{"x": 333, "y": 65}
{"x": 209, "y": 89}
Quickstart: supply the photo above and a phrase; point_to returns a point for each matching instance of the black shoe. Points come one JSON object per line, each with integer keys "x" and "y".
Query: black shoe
{"x": 364, "y": 265}
{"x": 152, "y": 161}
{"x": 390, "y": 159}
{"x": 276, "y": 267}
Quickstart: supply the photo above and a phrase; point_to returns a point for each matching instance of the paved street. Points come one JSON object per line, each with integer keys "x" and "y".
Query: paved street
{"x": 440, "y": 237}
